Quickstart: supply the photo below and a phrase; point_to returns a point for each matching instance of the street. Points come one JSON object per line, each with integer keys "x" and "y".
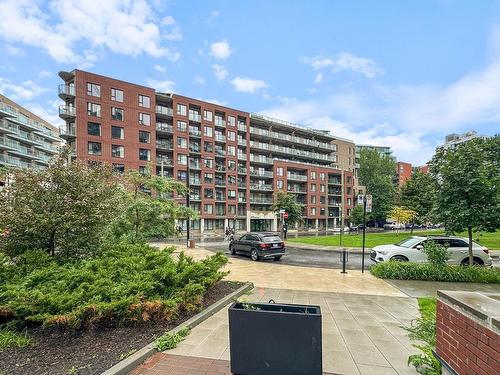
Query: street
{"x": 305, "y": 258}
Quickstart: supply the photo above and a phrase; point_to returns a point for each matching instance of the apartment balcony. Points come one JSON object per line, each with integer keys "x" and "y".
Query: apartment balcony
{"x": 296, "y": 177}
{"x": 196, "y": 197}
{"x": 195, "y": 181}
{"x": 220, "y": 138}
{"x": 334, "y": 181}
{"x": 266, "y": 174}
{"x": 220, "y": 183}
{"x": 220, "y": 168}
{"x": 261, "y": 187}
{"x": 67, "y": 112}
{"x": 6, "y": 127}
{"x": 67, "y": 132}
{"x": 8, "y": 144}
{"x": 164, "y": 112}
{"x": 195, "y": 149}
{"x": 165, "y": 162}
{"x": 242, "y": 200}
{"x": 195, "y": 165}
{"x": 66, "y": 91}
{"x": 220, "y": 153}
{"x": 242, "y": 185}
{"x": 242, "y": 142}
{"x": 12, "y": 161}
{"x": 164, "y": 128}
{"x": 296, "y": 190}
{"x": 334, "y": 192}
{"x": 242, "y": 170}
{"x": 47, "y": 147}
{"x": 242, "y": 128}
{"x": 258, "y": 200}
{"x": 260, "y": 159}
{"x": 196, "y": 117}
{"x": 220, "y": 122}
{"x": 194, "y": 132}
{"x": 242, "y": 157}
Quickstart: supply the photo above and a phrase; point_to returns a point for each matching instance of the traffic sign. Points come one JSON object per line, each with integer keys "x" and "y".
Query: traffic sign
{"x": 360, "y": 199}
{"x": 369, "y": 203}
{"x": 282, "y": 211}
{"x": 285, "y": 215}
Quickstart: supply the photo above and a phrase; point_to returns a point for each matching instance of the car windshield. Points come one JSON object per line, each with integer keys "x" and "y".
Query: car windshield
{"x": 409, "y": 242}
{"x": 271, "y": 239}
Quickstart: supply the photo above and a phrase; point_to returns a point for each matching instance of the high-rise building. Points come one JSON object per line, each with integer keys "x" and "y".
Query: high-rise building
{"x": 26, "y": 140}
{"x": 453, "y": 140}
{"x": 232, "y": 160}
{"x": 403, "y": 172}
{"x": 382, "y": 150}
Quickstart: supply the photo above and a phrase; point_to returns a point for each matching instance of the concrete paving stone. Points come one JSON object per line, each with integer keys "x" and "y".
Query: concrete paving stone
{"x": 338, "y": 362}
{"x": 347, "y": 324}
{"x": 341, "y": 315}
{"x": 213, "y": 348}
{"x": 376, "y": 370}
{"x": 183, "y": 349}
{"x": 355, "y": 337}
{"x": 367, "y": 355}
{"x": 378, "y": 333}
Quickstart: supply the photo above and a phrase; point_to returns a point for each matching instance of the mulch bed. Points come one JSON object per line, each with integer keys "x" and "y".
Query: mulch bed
{"x": 92, "y": 351}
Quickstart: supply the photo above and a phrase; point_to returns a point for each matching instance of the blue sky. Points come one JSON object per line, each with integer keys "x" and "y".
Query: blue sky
{"x": 397, "y": 73}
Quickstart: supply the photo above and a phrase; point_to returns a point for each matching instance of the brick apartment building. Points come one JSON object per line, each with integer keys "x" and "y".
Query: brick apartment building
{"x": 235, "y": 160}
{"x": 403, "y": 172}
{"x": 26, "y": 140}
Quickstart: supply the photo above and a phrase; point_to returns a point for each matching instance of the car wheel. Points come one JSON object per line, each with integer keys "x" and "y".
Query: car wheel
{"x": 254, "y": 255}
{"x": 277, "y": 258}
{"x": 232, "y": 250}
{"x": 399, "y": 258}
{"x": 475, "y": 262}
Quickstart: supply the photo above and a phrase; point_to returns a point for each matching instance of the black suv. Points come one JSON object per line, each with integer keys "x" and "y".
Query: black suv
{"x": 259, "y": 245}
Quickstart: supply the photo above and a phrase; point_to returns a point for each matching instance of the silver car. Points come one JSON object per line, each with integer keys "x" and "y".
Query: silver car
{"x": 410, "y": 250}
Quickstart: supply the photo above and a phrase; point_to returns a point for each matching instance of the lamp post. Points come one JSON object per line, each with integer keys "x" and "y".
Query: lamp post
{"x": 188, "y": 184}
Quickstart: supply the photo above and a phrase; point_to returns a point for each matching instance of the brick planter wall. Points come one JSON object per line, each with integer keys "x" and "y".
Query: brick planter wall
{"x": 467, "y": 335}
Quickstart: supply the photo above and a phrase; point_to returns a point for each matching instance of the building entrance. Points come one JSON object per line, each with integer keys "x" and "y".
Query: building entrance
{"x": 260, "y": 225}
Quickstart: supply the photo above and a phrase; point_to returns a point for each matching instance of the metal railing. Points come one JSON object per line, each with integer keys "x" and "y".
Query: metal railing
{"x": 261, "y": 200}
{"x": 162, "y": 110}
{"x": 297, "y": 177}
{"x": 66, "y": 90}
{"x": 163, "y": 127}
{"x": 67, "y": 110}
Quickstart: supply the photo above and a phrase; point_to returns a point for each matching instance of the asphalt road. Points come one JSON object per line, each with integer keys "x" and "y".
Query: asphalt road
{"x": 305, "y": 258}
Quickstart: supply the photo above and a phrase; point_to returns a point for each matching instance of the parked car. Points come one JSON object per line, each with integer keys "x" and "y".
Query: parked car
{"x": 391, "y": 226}
{"x": 259, "y": 246}
{"x": 410, "y": 250}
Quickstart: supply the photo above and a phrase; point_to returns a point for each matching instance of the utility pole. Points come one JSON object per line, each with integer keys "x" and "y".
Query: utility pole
{"x": 364, "y": 230}
{"x": 341, "y": 206}
{"x": 188, "y": 184}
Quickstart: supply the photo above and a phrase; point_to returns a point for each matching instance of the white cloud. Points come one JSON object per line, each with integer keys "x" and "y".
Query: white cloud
{"x": 175, "y": 33}
{"x": 44, "y": 74}
{"x": 220, "y": 72}
{"x": 346, "y": 61}
{"x": 27, "y": 90}
{"x": 212, "y": 17}
{"x": 220, "y": 50}
{"x": 48, "y": 112}
{"x": 160, "y": 68}
{"x": 318, "y": 78}
{"x": 199, "y": 80}
{"x": 65, "y": 27}
{"x": 243, "y": 84}
{"x": 14, "y": 51}
{"x": 162, "y": 86}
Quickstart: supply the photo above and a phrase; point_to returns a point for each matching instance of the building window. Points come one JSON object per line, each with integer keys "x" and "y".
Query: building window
{"x": 144, "y": 154}
{"x": 94, "y": 109}
{"x": 181, "y": 126}
{"x": 182, "y": 142}
{"x": 231, "y": 120}
{"x": 143, "y": 170}
{"x": 209, "y": 209}
{"x": 231, "y": 194}
{"x": 313, "y": 187}
{"x": 117, "y": 151}
{"x": 208, "y": 146}
{"x": 279, "y": 184}
{"x": 208, "y": 115}
{"x": 313, "y": 175}
{"x": 208, "y": 193}
{"x": 231, "y": 165}
{"x": 231, "y": 209}
{"x": 231, "y": 151}
{"x": 208, "y": 131}
{"x": 231, "y": 136}
{"x": 181, "y": 109}
{"x": 322, "y": 176}
{"x": 93, "y": 90}
{"x": 117, "y": 95}
{"x": 120, "y": 168}
{"x": 313, "y": 211}
{"x": 182, "y": 176}
{"x": 93, "y": 128}
{"x": 144, "y": 137}
{"x": 279, "y": 171}
{"x": 208, "y": 178}
{"x": 95, "y": 148}
{"x": 322, "y": 188}
{"x": 313, "y": 199}
{"x": 117, "y": 132}
{"x": 116, "y": 113}
{"x": 209, "y": 163}
{"x": 144, "y": 101}
{"x": 182, "y": 159}
{"x": 144, "y": 119}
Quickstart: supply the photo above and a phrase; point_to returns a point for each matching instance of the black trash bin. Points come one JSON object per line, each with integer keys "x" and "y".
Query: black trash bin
{"x": 275, "y": 339}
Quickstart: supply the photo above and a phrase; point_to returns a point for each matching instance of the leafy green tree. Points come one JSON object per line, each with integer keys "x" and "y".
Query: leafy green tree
{"x": 468, "y": 194}
{"x": 376, "y": 172}
{"x": 401, "y": 215}
{"x": 288, "y": 202}
{"x": 150, "y": 211}
{"x": 418, "y": 194}
{"x": 356, "y": 216}
{"x": 62, "y": 210}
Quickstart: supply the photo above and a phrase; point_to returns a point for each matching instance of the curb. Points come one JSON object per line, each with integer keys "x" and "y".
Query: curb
{"x": 130, "y": 363}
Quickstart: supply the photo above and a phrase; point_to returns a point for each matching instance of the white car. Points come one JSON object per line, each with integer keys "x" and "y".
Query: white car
{"x": 410, "y": 250}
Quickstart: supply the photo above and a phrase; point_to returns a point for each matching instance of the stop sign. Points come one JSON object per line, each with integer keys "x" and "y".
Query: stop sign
{"x": 285, "y": 215}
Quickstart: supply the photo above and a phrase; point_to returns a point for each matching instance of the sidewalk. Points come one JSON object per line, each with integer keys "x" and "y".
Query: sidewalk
{"x": 361, "y": 334}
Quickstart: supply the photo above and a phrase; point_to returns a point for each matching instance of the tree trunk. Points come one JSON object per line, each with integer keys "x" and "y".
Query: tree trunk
{"x": 52, "y": 242}
{"x": 471, "y": 258}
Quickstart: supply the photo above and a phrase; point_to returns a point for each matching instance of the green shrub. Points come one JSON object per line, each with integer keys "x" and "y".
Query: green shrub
{"x": 128, "y": 282}
{"x": 10, "y": 338}
{"x": 431, "y": 272}
{"x": 437, "y": 254}
{"x": 170, "y": 340}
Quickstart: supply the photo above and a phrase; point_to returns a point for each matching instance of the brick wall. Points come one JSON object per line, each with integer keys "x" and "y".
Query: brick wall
{"x": 466, "y": 345}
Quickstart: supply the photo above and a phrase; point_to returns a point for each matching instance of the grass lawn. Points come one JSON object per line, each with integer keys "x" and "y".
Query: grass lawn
{"x": 490, "y": 240}
{"x": 427, "y": 307}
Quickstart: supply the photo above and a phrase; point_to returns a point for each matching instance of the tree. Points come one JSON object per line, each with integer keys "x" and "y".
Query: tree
{"x": 356, "y": 216}
{"x": 288, "y": 202}
{"x": 418, "y": 194}
{"x": 63, "y": 210}
{"x": 401, "y": 215}
{"x": 376, "y": 172}
{"x": 468, "y": 179}
{"x": 149, "y": 210}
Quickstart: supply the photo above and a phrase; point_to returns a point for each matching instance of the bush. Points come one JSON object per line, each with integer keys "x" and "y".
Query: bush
{"x": 170, "y": 340}
{"x": 128, "y": 282}
{"x": 437, "y": 254}
{"x": 431, "y": 272}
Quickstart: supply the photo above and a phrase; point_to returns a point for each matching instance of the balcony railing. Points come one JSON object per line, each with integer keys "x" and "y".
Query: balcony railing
{"x": 296, "y": 190}
{"x": 163, "y": 127}
{"x": 164, "y": 145}
{"x": 220, "y": 138}
{"x": 334, "y": 181}
{"x": 66, "y": 90}
{"x": 194, "y": 117}
{"x": 195, "y": 165}
{"x": 262, "y": 173}
{"x": 261, "y": 187}
{"x": 296, "y": 177}
{"x": 67, "y": 131}
{"x": 220, "y": 183}
{"x": 165, "y": 161}
{"x": 67, "y": 111}
{"x": 219, "y": 122}
{"x": 261, "y": 200}
{"x": 242, "y": 127}
{"x": 220, "y": 153}
{"x": 195, "y": 132}
{"x": 261, "y": 159}
{"x": 162, "y": 110}
{"x": 242, "y": 170}
{"x": 242, "y": 142}
{"x": 242, "y": 157}
{"x": 195, "y": 181}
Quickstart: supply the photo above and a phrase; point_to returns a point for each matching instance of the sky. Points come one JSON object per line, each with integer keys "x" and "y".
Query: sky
{"x": 390, "y": 73}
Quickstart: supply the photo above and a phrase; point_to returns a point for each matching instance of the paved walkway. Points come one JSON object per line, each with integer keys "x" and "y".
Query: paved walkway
{"x": 417, "y": 288}
{"x": 361, "y": 334}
